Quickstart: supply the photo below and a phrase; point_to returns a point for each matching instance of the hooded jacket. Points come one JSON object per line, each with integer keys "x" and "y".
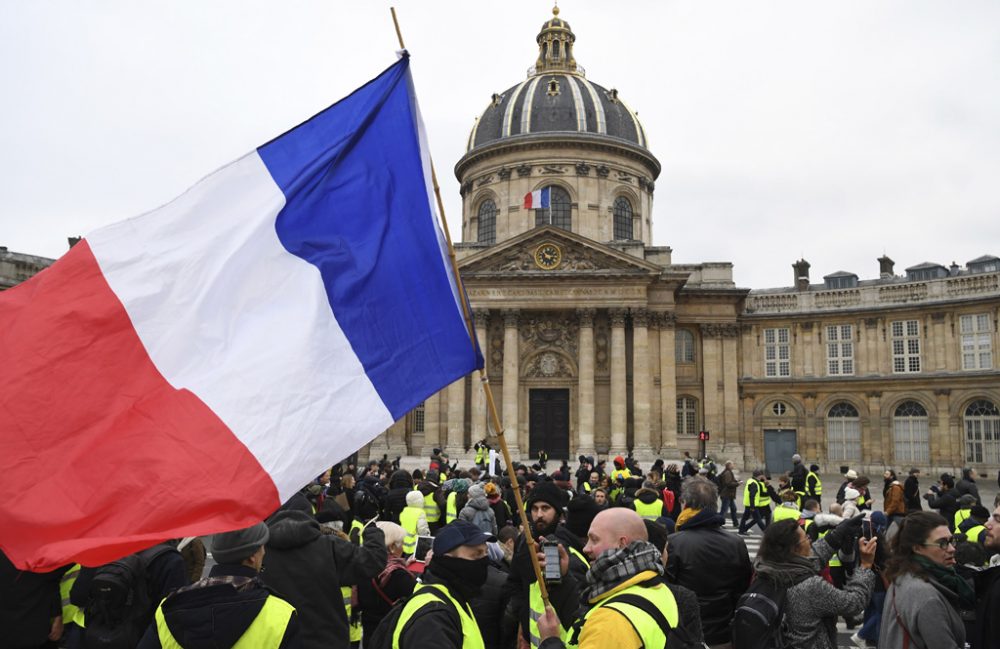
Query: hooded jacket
{"x": 309, "y": 568}
{"x": 400, "y": 484}
{"x": 477, "y": 511}
{"x": 212, "y": 616}
{"x": 715, "y": 565}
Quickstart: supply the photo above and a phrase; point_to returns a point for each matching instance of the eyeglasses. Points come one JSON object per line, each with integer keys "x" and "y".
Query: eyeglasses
{"x": 942, "y": 543}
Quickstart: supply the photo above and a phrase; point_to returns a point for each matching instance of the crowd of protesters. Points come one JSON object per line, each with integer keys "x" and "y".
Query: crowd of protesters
{"x": 378, "y": 556}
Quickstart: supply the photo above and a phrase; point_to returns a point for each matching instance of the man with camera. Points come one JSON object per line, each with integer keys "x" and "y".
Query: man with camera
{"x": 545, "y": 505}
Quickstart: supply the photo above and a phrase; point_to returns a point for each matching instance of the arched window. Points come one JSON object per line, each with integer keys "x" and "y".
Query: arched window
{"x": 623, "y": 219}
{"x": 558, "y": 211}
{"x": 843, "y": 433}
{"x": 982, "y": 432}
{"x": 684, "y": 346}
{"x": 687, "y": 416}
{"x": 487, "y": 222}
{"x": 909, "y": 433}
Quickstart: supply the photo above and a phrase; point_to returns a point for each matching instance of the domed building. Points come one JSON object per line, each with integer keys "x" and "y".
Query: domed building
{"x": 596, "y": 343}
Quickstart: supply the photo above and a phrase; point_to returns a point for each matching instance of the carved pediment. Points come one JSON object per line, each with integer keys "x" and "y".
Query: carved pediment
{"x": 575, "y": 254}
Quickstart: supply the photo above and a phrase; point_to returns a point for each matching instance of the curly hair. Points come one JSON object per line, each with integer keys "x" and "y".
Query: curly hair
{"x": 779, "y": 542}
{"x": 913, "y": 532}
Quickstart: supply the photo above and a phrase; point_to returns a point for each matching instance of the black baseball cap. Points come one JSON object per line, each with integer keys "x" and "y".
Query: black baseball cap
{"x": 458, "y": 533}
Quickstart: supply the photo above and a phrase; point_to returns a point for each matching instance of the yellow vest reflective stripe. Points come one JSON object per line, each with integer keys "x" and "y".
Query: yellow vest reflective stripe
{"x": 408, "y": 521}
{"x": 355, "y": 629}
{"x": 972, "y": 534}
{"x": 782, "y": 513}
{"x": 471, "y": 636}
{"x": 862, "y": 500}
{"x": 431, "y": 509}
{"x": 451, "y": 508}
{"x": 536, "y": 609}
{"x": 646, "y": 627}
{"x": 359, "y": 526}
{"x": 579, "y": 555}
{"x": 746, "y": 493}
{"x": 267, "y": 629}
{"x": 70, "y": 612}
{"x": 834, "y": 561}
{"x": 961, "y": 515}
{"x": 817, "y": 485}
{"x": 650, "y": 511}
{"x": 586, "y": 487}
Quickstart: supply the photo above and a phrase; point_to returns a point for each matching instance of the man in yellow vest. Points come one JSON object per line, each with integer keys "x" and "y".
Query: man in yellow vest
{"x": 814, "y": 486}
{"x": 973, "y": 527}
{"x": 438, "y": 613}
{"x": 755, "y": 500}
{"x": 230, "y": 608}
{"x": 630, "y": 607}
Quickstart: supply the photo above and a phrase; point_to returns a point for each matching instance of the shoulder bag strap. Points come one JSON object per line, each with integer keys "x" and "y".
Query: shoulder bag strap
{"x": 899, "y": 620}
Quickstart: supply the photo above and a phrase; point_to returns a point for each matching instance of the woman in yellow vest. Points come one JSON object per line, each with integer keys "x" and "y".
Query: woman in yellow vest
{"x": 413, "y": 520}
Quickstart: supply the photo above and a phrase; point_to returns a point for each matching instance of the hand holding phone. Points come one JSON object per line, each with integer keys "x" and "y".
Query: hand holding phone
{"x": 551, "y": 570}
{"x": 867, "y": 530}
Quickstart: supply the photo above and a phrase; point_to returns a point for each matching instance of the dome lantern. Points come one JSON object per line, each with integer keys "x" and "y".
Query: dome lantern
{"x": 555, "y": 46}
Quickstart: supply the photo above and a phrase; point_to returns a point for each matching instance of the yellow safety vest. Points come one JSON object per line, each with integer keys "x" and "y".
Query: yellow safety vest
{"x": 266, "y": 630}
{"x": 347, "y": 592}
{"x": 761, "y": 499}
{"x": 408, "y": 519}
{"x": 536, "y": 607}
{"x": 972, "y": 534}
{"x": 479, "y": 455}
{"x": 359, "y": 526}
{"x": 650, "y": 511}
{"x": 782, "y": 513}
{"x": 586, "y": 487}
{"x": 471, "y": 636}
{"x": 818, "y": 485}
{"x": 70, "y": 612}
{"x": 451, "y": 508}
{"x": 961, "y": 515}
{"x": 834, "y": 561}
{"x": 431, "y": 509}
{"x": 650, "y": 633}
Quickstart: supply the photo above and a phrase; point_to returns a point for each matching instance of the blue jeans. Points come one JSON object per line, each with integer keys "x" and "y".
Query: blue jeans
{"x": 873, "y": 618}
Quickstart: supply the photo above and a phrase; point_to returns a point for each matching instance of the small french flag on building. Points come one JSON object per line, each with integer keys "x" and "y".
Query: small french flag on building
{"x": 536, "y": 199}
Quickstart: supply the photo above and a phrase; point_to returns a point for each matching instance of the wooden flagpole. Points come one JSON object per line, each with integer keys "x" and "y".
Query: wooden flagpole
{"x": 484, "y": 379}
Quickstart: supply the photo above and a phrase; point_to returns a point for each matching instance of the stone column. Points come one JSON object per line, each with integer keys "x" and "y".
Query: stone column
{"x": 668, "y": 385}
{"x": 585, "y": 389}
{"x": 619, "y": 411}
{"x": 940, "y": 346}
{"x": 511, "y": 369}
{"x": 946, "y": 449}
{"x": 481, "y": 317}
{"x": 640, "y": 381}
{"x": 871, "y": 362}
{"x": 730, "y": 389}
{"x": 873, "y": 447}
{"x": 432, "y": 424}
{"x": 456, "y": 418}
{"x": 805, "y": 350}
{"x": 710, "y": 352}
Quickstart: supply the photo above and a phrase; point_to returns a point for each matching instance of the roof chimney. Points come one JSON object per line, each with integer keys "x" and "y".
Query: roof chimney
{"x": 885, "y": 267}
{"x": 801, "y": 268}
{"x": 73, "y": 241}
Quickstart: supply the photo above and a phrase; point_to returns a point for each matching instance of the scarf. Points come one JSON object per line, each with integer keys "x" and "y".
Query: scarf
{"x": 787, "y": 573}
{"x": 618, "y": 565}
{"x": 686, "y": 515}
{"x": 392, "y": 565}
{"x": 950, "y": 580}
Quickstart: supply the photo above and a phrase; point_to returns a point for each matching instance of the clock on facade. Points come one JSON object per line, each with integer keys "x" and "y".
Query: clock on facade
{"x": 548, "y": 256}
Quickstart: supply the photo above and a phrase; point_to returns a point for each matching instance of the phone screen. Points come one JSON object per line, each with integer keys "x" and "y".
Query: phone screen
{"x": 552, "y": 571}
{"x": 866, "y": 529}
{"x": 423, "y": 545}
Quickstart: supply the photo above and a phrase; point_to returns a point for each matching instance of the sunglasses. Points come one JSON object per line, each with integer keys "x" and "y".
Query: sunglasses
{"x": 942, "y": 543}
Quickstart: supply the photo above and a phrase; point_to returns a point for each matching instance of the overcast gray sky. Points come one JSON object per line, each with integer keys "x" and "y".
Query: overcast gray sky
{"x": 836, "y": 131}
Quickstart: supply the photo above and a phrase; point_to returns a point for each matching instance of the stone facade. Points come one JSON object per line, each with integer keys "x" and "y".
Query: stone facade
{"x": 16, "y": 267}
{"x": 896, "y": 371}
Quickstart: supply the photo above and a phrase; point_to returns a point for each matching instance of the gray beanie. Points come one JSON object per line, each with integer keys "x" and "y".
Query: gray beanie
{"x": 233, "y": 547}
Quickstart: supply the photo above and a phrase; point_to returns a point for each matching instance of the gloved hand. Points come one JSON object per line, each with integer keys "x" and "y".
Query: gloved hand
{"x": 845, "y": 534}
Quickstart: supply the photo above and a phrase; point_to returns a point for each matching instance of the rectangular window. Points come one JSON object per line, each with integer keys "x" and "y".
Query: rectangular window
{"x": 977, "y": 344}
{"x": 840, "y": 350}
{"x": 777, "y": 353}
{"x": 843, "y": 439}
{"x": 905, "y": 346}
{"x": 418, "y": 418}
{"x": 911, "y": 440}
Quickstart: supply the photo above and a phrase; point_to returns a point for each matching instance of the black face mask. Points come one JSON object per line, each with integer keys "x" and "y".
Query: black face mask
{"x": 466, "y": 576}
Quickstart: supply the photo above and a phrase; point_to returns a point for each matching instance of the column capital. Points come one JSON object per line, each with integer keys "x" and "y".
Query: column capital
{"x": 510, "y": 317}
{"x": 481, "y": 317}
{"x": 617, "y": 317}
{"x": 640, "y": 317}
{"x": 586, "y": 317}
{"x": 665, "y": 319}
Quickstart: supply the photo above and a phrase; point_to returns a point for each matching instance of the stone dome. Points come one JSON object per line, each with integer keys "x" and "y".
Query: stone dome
{"x": 556, "y": 98}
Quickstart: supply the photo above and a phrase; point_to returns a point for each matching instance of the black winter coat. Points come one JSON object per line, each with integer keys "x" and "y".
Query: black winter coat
{"x": 490, "y": 604}
{"x": 218, "y": 615}
{"x": 308, "y": 569}
{"x": 715, "y": 565}
{"x": 967, "y": 486}
{"x": 435, "y": 625}
{"x": 946, "y": 503}
{"x": 911, "y": 494}
{"x": 27, "y": 602}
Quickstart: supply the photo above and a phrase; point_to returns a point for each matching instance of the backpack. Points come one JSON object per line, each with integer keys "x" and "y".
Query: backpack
{"x": 120, "y": 606}
{"x": 759, "y": 619}
{"x": 382, "y": 636}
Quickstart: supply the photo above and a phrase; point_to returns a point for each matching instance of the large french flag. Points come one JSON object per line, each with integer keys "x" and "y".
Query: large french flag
{"x": 184, "y": 372}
